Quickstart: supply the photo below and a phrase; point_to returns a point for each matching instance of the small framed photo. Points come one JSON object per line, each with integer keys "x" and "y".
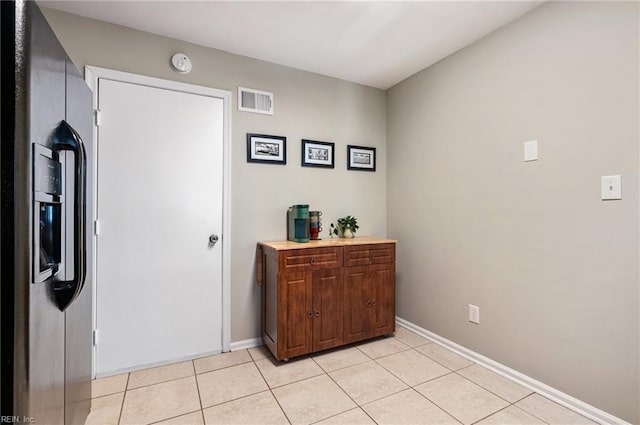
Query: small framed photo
{"x": 317, "y": 154}
{"x": 361, "y": 158}
{"x": 266, "y": 149}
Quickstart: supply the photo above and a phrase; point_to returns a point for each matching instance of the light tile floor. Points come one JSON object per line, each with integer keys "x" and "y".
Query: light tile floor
{"x": 404, "y": 379}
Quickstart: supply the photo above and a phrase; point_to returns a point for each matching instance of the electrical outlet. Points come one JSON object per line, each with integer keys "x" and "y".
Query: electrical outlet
{"x": 474, "y": 314}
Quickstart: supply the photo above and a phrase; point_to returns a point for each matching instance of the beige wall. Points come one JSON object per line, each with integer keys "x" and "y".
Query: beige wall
{"x": 553, "y": 268}
{"x": 306, "y": 106}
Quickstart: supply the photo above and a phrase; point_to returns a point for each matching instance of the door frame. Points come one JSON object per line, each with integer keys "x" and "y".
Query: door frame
{"x": 92, "y": 75}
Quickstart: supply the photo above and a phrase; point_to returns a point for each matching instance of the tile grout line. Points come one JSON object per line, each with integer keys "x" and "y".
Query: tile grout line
{"x": 528, "y": 395}
{"x": 341, "y": 389}
{"x": 173, "y": 417}
{"x": 382, "y": 398}
{"x": 482, "y": 386}
{"x": 436, "y": 404}
{"x": 292, "y": 382}
{"x": 371, "y": 401}
{"x": 344, "y": 367}
{"x": 383, "y": 339}
{"x": 442, "y": 364}
{"x": 280, "y": 406}
{"x": 195, "y": 377}
{"x": 408, "y": 384}
{"x": 224, "y": 367}
{"x": 530, "y": 413}
{"x": 341, "y": 413}
{"x": 358, "y": 406}
{"x": 491, "y": 414}
{"x": 270, "y": 390}
{"x": 527, "y": 412}
{"x": 238, "y": 398}
{"x": 255, "y": 364}
{"x": 124, "y": 396}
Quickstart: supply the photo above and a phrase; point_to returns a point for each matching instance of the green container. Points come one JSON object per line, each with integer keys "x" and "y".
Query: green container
{"x": 298, "y": 223}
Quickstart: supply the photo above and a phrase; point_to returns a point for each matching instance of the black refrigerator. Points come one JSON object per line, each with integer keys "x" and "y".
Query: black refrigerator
{"x": 45, "y": 225}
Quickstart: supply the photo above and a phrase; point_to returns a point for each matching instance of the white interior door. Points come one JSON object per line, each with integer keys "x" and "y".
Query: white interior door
{"x": 160, "y": 192}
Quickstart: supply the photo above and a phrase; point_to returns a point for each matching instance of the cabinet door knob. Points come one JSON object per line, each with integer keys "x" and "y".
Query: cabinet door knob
{"x": 317, "y": 313}
{"x": 368, "y": 303}
{"x": 310, "y": 314}
{"x": 373, "y": 302}
{"x": 313, "y": 261}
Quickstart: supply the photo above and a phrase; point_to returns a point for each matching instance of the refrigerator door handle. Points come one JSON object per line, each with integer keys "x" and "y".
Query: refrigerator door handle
{"x": 68, "y": 139}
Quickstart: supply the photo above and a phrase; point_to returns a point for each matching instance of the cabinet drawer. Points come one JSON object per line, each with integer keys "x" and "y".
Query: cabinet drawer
{"x": 364, "y": 255}
{"x": 310, "y": 259}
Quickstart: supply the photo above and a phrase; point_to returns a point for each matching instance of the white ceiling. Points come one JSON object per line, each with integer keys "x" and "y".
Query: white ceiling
{"x": 370, "y": 42}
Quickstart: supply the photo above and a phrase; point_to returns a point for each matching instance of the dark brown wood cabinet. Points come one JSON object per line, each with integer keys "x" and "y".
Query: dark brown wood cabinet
{"x": 369, "y": 301}
{"x": 325, "y": 294}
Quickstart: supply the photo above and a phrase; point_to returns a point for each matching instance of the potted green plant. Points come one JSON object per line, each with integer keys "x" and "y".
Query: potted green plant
{"x": 347, "y": 227}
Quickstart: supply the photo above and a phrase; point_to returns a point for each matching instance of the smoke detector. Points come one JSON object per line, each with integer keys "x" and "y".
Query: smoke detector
{"x": 181, "y": 63}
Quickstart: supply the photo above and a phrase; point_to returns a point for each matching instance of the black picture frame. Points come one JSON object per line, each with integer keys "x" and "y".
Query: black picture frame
{"x": 266, "y": 149}
{"x": 361, "y": 158}
{"x": 318, "y": 154}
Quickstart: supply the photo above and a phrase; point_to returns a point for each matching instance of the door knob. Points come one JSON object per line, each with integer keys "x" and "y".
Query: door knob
{"x": 213, "y": 239}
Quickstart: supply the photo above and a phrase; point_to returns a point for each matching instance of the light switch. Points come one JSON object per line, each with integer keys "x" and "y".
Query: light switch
{"x": 611, "y": 187}
{"x": 531, "y": 150}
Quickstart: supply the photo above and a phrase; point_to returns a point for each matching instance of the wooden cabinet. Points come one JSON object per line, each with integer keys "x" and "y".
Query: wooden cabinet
{"x": 369, "y": 301}
{"x": 369, "y": 291}
{"x": 325, "y": 294}
{"x": 310, "y": 312}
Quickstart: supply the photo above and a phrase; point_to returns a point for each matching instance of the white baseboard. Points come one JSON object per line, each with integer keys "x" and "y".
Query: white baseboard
{"x": 551, "y": 393}
{"x": 247, "y": 343}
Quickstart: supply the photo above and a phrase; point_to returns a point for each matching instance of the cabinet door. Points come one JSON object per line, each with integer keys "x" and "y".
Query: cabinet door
{"x": 295, "y": 321}
{"x": 383, "y": 298}
{"x": 357, "y": 319}
{"x": 327, "y": 309}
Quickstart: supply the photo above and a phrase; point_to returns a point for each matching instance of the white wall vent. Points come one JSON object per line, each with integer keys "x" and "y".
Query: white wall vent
{"x": 258, "y": 101}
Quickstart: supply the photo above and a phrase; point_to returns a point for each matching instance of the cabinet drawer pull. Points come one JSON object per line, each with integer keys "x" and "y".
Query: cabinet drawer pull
{"x": 313, "y": 261}
{"x": 310, "y": 314}
{"x": 371, "y": 256}
{"x": 317, "y": 313}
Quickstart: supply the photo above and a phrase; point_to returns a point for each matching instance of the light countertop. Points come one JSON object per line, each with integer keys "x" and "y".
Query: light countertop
{"x": 328, "y": 242}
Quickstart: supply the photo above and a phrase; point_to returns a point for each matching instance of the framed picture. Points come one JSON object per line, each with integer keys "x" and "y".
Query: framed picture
{"x": 361, "y": 158}
{"x": 317, "y": 154}
{"x": 266, "y": 149}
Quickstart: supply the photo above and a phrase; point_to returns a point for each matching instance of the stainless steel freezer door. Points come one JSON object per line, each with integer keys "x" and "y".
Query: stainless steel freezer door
{"x": 40, "y": 328}
{"x": 41, "y": 383}
{"x": 78, "y": 324}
